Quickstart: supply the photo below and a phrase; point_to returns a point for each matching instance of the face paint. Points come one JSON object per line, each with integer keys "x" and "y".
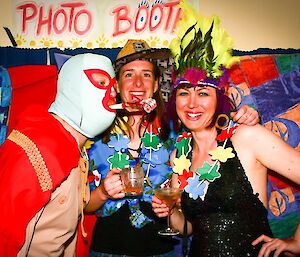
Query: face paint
{"x": 84, "y": 93}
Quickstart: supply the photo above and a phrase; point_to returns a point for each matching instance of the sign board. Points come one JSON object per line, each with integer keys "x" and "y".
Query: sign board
{"x": 94, "y": 23}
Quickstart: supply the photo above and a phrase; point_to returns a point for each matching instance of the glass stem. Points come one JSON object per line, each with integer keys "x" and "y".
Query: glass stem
{"x": 168, "y": 220}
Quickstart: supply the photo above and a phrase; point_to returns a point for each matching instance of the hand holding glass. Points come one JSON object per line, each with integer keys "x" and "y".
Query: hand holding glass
{"x": 170, "y": 197}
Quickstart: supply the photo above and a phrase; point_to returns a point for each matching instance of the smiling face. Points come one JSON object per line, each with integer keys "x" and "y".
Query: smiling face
{"x": 196, "y": 106}
{"x": 136, "y": 82}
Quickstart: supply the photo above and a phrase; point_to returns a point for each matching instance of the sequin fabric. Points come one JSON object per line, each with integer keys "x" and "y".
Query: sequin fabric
{"x": 229, "y": 218}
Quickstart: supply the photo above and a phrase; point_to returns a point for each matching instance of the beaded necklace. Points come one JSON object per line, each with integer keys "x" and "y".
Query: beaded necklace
{"x": 195, "y": 183}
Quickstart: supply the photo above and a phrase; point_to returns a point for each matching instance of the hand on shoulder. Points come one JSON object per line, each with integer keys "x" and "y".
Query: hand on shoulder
{"x": 246, "y": 115}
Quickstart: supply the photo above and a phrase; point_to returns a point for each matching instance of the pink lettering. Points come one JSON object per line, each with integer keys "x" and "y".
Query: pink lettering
{"x": 156, "y": 13}
{"x": 159, "y": 15}
{"x": 47, "y": 21}
{"x": 67, "y": 15}
{"x": 170, "y": 6}
{"x": 72, "y": 6}
{"x": 141, "y": 19}
{"x": 26, "y": 8}
{"x": 177, "y": 18}
{"x": 76, "y": 22}
{"x": 121, "y": 19}
{"x": 56, "y": 23}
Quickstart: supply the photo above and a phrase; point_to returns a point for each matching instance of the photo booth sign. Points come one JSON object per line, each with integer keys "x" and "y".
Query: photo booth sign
{"x": 93, "y": 23}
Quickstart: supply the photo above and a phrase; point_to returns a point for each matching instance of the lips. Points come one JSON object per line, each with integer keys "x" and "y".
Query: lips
{"x": 108, "y": 100}
{"x": 111, "y": 101}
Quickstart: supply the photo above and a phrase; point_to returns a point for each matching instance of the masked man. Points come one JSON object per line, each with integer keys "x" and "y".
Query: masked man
{"x": 43, "y": 172}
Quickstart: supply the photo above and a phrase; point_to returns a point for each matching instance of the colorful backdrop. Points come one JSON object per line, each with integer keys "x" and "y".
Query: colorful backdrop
{"x": 271, "y": 83}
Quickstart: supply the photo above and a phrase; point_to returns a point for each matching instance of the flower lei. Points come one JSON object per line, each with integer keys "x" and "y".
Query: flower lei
{"x": 196, "y": 183}
{"x": 153, "y": 153}
{"x": 120, "y": 159}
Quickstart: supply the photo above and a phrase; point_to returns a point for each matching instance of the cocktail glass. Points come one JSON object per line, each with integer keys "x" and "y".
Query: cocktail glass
{"x": 170, "y": 197}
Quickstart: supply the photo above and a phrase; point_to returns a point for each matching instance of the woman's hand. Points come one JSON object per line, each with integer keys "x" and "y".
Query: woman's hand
{"x": 246, "y": 115}
{"x": 112, "y": 185}
{"x": 159, "y": 207}
{"x": 277, "y": 246}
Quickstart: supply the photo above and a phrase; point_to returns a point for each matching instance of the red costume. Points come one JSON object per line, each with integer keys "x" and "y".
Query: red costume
{"x": 24, "y": 188}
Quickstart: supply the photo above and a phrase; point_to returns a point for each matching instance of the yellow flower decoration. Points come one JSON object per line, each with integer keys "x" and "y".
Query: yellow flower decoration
{"x": 181, "y": 164}
{"x": 221, "y": 154}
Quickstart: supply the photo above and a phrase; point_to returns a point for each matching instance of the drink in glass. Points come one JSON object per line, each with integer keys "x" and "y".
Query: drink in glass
{"x": 170, "y": 197}
{"x": 133, "y": 180}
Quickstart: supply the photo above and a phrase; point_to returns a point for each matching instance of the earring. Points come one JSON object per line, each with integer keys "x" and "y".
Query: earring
{"x": 222, "y": 124}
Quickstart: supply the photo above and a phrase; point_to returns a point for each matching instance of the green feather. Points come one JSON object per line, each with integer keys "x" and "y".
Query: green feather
{"x": 191, "y": 49}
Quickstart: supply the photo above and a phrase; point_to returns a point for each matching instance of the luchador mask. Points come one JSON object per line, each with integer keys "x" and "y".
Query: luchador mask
{"x": 84, "y": 93}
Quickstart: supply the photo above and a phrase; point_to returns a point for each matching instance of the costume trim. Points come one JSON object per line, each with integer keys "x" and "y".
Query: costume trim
{"x": 84, "y": 169}
{"x": 202, "y": 50}
{"x": 35, "y": 158}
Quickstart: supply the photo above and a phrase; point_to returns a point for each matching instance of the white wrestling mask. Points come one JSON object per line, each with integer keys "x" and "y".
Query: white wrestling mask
{"x": 85, "y": 92}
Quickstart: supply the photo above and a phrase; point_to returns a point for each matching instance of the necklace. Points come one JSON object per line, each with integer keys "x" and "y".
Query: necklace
{"x": 122, "y": 158}
{"x": 195, "y": 183}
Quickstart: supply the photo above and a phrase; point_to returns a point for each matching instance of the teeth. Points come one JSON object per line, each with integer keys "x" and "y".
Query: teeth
{"x": 137, "y": 93}
{"x": 193, "y": 115}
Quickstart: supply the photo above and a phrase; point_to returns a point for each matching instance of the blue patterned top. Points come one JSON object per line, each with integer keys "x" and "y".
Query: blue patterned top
{"x": 154, "y": 158}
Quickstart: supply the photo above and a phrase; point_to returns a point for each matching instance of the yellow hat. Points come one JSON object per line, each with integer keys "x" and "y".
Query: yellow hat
{"x": 138, "y": 49}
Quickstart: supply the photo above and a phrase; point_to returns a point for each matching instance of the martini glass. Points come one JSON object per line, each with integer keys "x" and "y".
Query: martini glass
{"x": 170, "y": 197}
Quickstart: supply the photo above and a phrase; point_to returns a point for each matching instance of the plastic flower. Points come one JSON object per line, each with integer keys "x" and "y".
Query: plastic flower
{"x": 183, "y": 146}
{"x": 118, "y": 160}
{"x": 151, "y": 141}
{"x": 184, "y": 135}
{"x": 209, "y": 172}
{"x": 184, "y": 177}
{"x": 195, "y": 188}
{"x": 118, "y": 142}
{"x": 226, "y": 133}
{"x": 181, "y": 164}
{"x": 221, "y": 154}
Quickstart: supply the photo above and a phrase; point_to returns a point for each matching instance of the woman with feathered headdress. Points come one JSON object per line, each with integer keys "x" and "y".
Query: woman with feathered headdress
{"x": 220, "y": 166}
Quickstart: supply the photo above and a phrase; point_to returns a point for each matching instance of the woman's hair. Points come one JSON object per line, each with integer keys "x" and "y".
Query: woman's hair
{"x": 224, "y": 106}
{"x": 158, "y": 113}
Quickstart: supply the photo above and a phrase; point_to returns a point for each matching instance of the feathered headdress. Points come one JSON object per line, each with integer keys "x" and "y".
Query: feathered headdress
{"x": 202, "y": 50}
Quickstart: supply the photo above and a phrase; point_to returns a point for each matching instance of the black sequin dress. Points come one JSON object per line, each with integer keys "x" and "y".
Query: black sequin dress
{"x": 229, "y": 218}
